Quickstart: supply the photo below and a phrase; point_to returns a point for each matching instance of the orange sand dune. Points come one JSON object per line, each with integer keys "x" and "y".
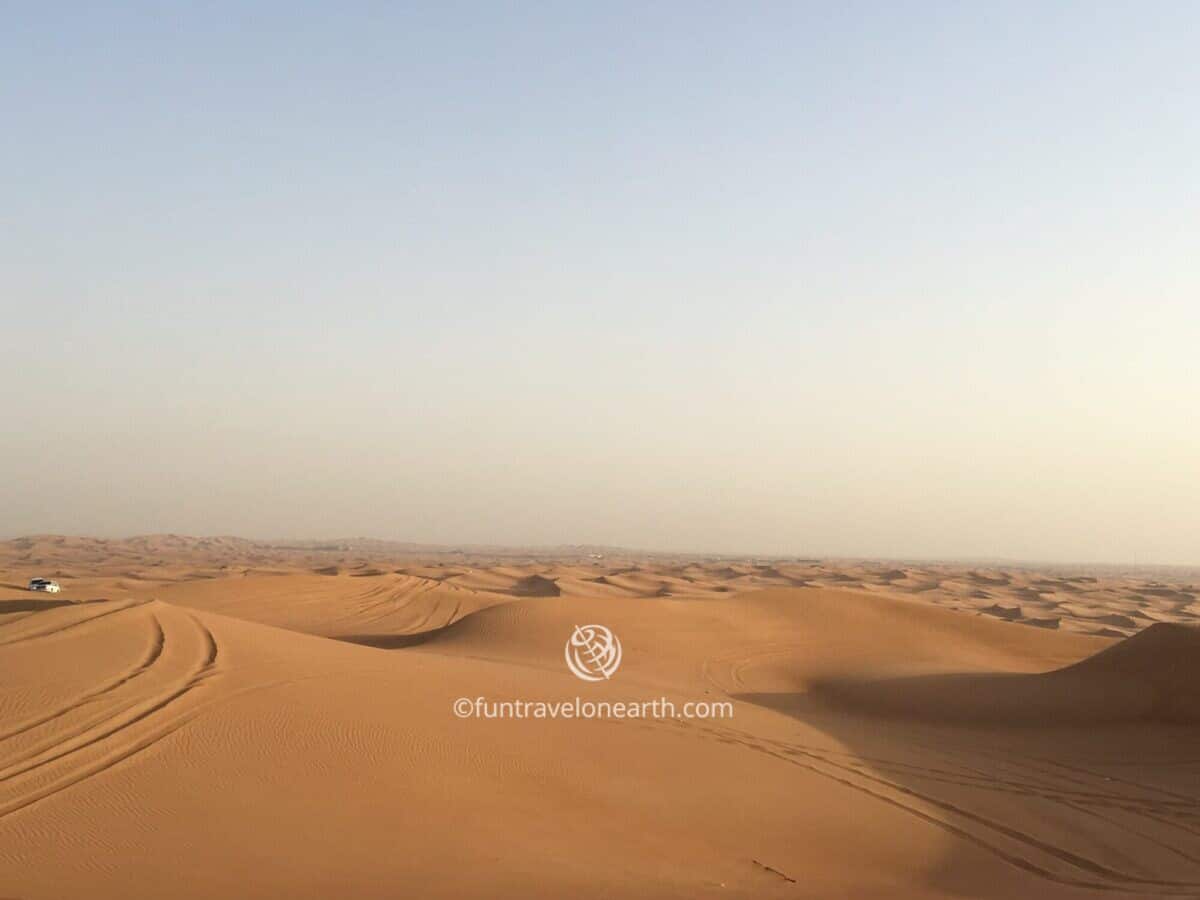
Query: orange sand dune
{"x": 153, "y": 748}
{"x": 1153, "y": 676}
{"x": 1105, "y": 601}
{"x": 363, "y": 608}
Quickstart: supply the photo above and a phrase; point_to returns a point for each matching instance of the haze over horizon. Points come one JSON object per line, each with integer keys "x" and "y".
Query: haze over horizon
{"x": 367, "y": 545}
{"x": 869, "y": 282}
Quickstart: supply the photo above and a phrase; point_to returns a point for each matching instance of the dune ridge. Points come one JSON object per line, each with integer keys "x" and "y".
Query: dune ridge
{"x": 1106, "y": 601}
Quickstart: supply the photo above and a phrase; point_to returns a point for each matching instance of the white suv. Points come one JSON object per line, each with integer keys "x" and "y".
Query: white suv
{"x": 44, "y": 584}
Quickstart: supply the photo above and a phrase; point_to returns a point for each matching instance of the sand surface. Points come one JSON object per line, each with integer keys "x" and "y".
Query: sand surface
{"x": 221, "y": 718}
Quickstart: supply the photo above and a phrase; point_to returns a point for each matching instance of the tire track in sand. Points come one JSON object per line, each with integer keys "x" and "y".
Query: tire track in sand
{"x": 158, "y": 640}
{"x": 115, "y": 733}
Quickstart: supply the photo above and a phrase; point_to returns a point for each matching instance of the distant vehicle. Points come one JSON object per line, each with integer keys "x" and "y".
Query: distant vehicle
{"x": 44, "y": 584}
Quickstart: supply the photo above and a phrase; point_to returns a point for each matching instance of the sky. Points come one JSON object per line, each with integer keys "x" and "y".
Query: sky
{"x": 868, "y": 279}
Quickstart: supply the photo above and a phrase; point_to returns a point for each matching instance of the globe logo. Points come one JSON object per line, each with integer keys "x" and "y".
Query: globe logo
{"x": 593, "y": 652}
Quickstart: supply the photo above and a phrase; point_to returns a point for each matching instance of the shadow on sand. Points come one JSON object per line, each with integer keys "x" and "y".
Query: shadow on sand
{"x": 1087, "y": 777}
{"x": 385, "y": 641}
{"x": 29, "y": 605}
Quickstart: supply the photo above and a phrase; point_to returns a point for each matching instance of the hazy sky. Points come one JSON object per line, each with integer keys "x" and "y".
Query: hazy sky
{"x": 865, "y": 279}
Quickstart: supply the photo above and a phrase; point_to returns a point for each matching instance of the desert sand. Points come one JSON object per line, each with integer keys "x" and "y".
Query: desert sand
{"x": 220, "y": 718}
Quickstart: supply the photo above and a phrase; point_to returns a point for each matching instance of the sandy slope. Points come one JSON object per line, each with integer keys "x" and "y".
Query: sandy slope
{"x": 881, "y": 746}
{"x": 1107, "y": 601}
{"x": 348, "y": 607}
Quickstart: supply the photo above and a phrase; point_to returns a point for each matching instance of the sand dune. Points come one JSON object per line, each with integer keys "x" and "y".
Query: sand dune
{"x": 344, "y": 606}
{"x": 1151, "y": 677}
{"x": 1096, "y": 600}
{"x": 230, "y": 736}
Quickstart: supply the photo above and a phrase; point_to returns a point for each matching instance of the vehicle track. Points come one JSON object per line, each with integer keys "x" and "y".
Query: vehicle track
{"x": 930, "y": 783}
{"x": 152, "y": 654}
{"x": 6, "y": 640}
{"x": 1044, "y": 858}
{"x": 135, "y": 723}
